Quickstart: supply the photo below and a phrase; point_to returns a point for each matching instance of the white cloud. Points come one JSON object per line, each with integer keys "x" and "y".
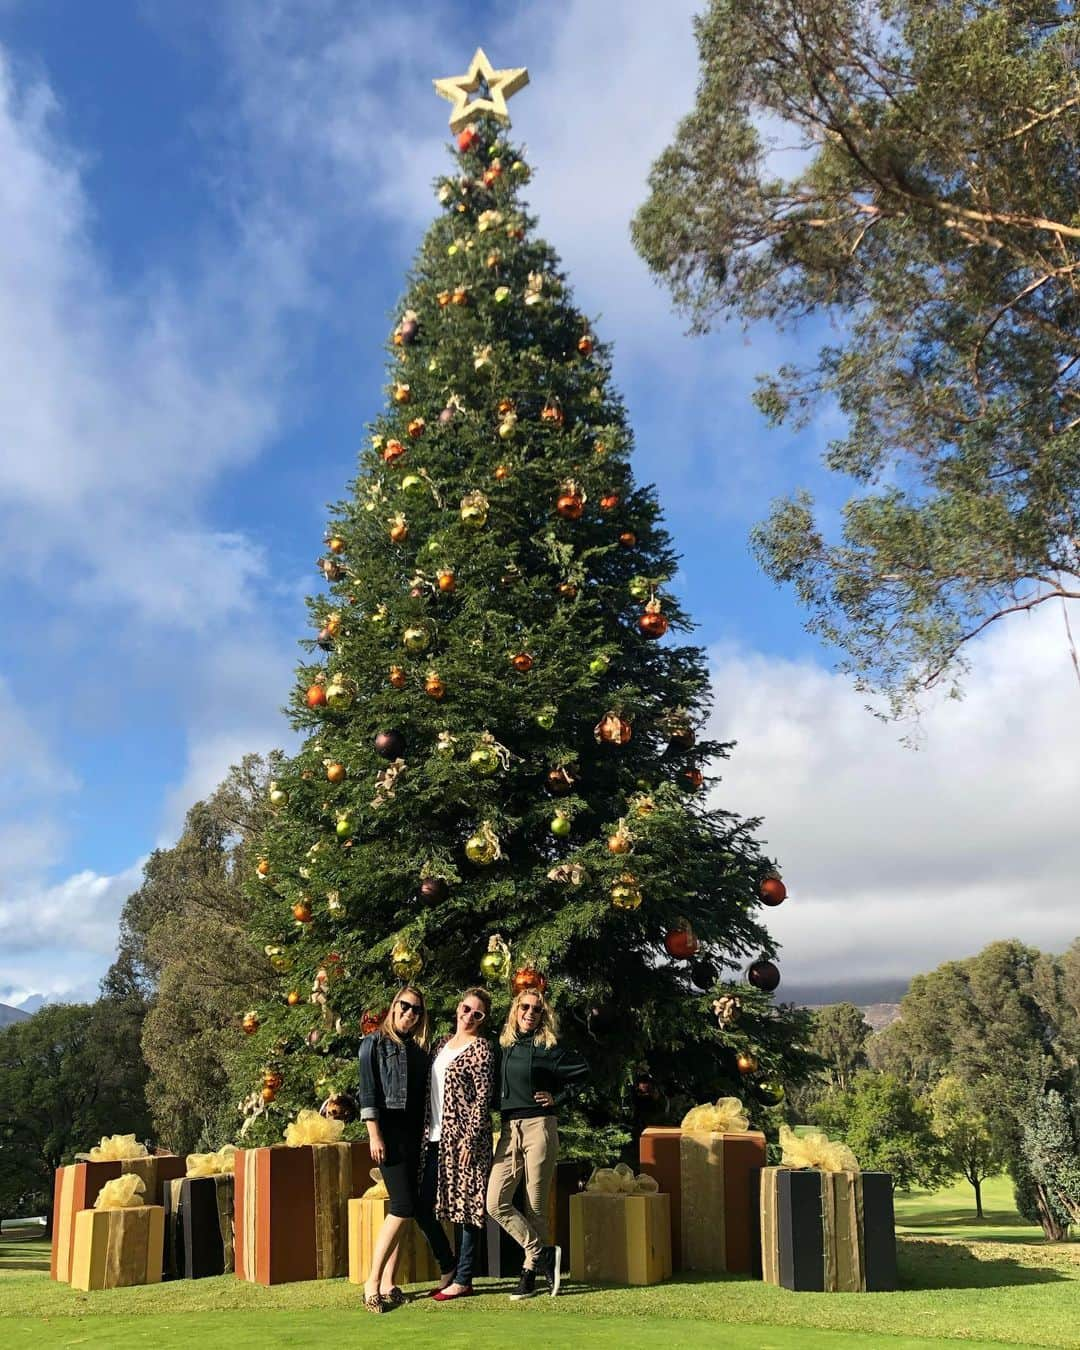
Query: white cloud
{"x": 898, "y": 859}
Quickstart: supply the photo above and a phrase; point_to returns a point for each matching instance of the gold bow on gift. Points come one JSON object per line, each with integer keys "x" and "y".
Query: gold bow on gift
{"x": 817, "y": 1150}
{"x": 621, "y": 1180}
{"x": 212, "y": 1164}
{"x": 123, "y": 1192}
{"x": 378, "y": 1190}
{"x": 311, "y": 1128}
{"x": 724, "y": 1116}
{"x": 114, "y": 1148}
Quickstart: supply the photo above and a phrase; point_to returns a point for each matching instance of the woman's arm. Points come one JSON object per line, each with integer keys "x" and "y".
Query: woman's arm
{"x": 369, "y": 1086}
{"x": 571, "y": 1072}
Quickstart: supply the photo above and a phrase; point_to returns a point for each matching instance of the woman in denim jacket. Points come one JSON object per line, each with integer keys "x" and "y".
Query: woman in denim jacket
{"x": 394, "y": 1071}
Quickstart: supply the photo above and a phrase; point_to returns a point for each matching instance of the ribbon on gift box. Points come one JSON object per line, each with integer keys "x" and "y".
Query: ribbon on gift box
{"x": 122, "y": 1192}
{"x": 376, "y": 1191}
{"x": 217, "y": 1164}
{"x": 114, "y": 1148}
{"x": 620, "y": 1180}
{"x": 724, "y": 1116}
{"x": 815, "y": 1149}
{"x": 311, "y": 1128}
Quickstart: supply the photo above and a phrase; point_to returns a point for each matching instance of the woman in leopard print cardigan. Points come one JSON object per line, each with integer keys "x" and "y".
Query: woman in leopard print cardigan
{"x": 459, "y": 1130}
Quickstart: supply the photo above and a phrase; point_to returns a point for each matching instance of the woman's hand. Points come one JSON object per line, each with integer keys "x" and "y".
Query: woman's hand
{"x": 544, "y": 1098}
{"x": 375, "y": 1140}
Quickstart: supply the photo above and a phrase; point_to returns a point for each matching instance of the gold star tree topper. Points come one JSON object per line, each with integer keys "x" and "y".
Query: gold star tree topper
{"x": 499, "y": 84}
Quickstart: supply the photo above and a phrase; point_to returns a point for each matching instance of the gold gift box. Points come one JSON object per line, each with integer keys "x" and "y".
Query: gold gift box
{"x": 620, "y": 1239}
{"x": 719, "y": 1208}
{"x": 415, "y": 1262}
{"x": 117, "y": 1247}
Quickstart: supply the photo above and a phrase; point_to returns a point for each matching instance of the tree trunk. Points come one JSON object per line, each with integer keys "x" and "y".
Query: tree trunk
{"x": 977, "y": 1183}
{"x": 1052, "y": 1230}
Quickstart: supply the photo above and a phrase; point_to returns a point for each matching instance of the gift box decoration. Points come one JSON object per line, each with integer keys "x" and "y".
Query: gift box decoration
{"x": 199, "y": 1217}
{"x": 120, "y": 1242}
{"x": 292, "y": 1215}
{"x": 503, "y": 1258}
{"x": 709, "y": 1168}
{"x": 77, "y": 1185}
{"x": 620, "y": 1230}
{"x": 826, "y": 1225}
{"x": 415, "y": 1262}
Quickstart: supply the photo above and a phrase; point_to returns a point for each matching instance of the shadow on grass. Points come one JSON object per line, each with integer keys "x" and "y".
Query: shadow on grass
{"x": 953, "y": 1265}
{"x": 24, "y": 1253}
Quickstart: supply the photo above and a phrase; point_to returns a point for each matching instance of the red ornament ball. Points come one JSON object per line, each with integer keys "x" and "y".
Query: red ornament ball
{"x": 467, "y": 140}
{"x": 316, "y": 696}
{"x": 527, "y": 978}
{"x": 764, "y": 975}
{"x": 681, "y": 942}
{"x": 773, "y": 891}
{"x": 653, "y": 624}
{"x": 434, "y": 890}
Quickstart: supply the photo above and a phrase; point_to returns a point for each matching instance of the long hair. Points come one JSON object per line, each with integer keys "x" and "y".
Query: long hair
{"x": 546, "y": 1034}
{"x": 420, "y": 1035}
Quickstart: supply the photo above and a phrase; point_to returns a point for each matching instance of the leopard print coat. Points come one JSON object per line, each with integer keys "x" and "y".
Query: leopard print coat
{"x": 468, "y": 1090}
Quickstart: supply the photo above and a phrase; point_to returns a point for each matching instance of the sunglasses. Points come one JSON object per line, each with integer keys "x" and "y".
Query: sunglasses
{"x": 406, "y": 1007}
{"x": 530, "y": 1008}
{"x": 474, "y": 1014}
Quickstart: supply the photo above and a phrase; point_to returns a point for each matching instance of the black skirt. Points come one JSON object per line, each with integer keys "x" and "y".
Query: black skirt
{"x": 400, "y": 1169}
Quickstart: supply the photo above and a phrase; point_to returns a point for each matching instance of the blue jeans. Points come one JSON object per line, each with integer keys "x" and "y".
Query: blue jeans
{"x": 468, "y": 1234}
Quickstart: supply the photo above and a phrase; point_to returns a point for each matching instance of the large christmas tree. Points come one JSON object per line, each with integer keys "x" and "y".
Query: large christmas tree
{"x": 504, "y": 777}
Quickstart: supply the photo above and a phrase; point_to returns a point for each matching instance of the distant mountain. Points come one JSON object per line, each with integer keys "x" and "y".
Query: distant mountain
{"x": 863, "y": 993}
{"x": 33, "y": 1003}
{"x": 9, "y": 1015}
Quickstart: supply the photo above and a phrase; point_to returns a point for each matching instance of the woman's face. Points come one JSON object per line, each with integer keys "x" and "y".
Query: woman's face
{"x": 470, "y": 1015}
{"x": 408, "y": 1010}
{"x": 530, "y": 1012}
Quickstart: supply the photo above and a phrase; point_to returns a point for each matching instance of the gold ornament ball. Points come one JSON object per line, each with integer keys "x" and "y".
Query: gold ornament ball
{"x": 493, "y": 965}
{"x": 335, "y": 772}
{"x": 415, "y": 639}
{"x": 746, "y": 1062}
{"x": 626, "y": 893}
{"x": 484, "y": 761}
{"x": 474, "y": 517}
{"x": 479, "y": 850}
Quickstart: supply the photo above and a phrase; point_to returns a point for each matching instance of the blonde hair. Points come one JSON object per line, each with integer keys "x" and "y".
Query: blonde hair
{"x": 480, "y": 994}
{"x": 420, "y": 1035}
{"x": 546, "y": 1034}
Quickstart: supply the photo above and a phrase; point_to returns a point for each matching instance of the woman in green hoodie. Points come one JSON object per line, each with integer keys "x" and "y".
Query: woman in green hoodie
{"x": 536, "y": 1077}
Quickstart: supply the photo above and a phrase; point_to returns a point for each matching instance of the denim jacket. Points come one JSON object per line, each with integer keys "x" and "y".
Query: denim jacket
{"x": 384, "y": 1076}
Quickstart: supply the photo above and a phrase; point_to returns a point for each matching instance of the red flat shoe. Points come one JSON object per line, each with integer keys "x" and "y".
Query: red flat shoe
{"x": 441, "y": 1296}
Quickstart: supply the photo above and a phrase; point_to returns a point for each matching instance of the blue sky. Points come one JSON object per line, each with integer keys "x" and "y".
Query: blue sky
{"x": 206, "y": 215}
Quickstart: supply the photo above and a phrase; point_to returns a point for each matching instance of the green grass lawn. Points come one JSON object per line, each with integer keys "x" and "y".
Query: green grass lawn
{"x": 970, "y": 1289}
{"x": 950, "y": 1213}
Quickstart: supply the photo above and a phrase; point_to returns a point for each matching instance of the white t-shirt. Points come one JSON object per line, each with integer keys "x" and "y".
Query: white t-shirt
{"x": 443, "y": 1060}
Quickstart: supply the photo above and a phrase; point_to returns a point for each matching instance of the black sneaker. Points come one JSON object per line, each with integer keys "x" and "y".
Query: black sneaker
{"x": 526, "y": 1285}
{"x": 550, "y": 1266}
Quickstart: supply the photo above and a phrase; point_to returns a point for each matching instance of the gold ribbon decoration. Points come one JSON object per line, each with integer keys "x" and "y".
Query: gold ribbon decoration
{"x": 114, "y": 1148}
{"x": 377, "y": 1190}
{"x": 212, "y": 1164}
{"x": 123, "y": 1192}
{"x": 724, "y": 1116}
{"x": 621, "y": 1180}
{"x": 815, "y": 1149}
{"x": 311, "y": 1128}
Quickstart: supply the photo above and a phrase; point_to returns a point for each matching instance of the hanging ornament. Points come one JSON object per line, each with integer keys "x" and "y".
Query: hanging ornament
{"x": 545, "y": 718}
{"x": 600, "y": 664}
{"x": 371, "y": 1021}
{"x": 445, "y": 580}
{"x": 703, "y": 974}
{"x": 681, "y": 941}
{"x": 250, "y": 1023}
{"x": 567, "y": 874}
{"x": 625, "y": 892}
{"x": 393, "y": 449}
{"x": 560, "y": 825}
{"x": 768, "y": 1091}
{"x": 482, "y": 847}
{"x": 558, "y": 781}
{"x": 493, "y": 259}
{"x": 501, "y": 472}
{"x": 316, "y": 695}
{"x": 522, "y": 662}
{"x": 336, "y": 544}
{"x": 460, "y": 295}
{"x": 640, "y": 588}
{"x": 495, "y": 962}
{"x": 409, "y": 328}
{"x": 727, "y": 1009}
{"x": 643, "y": 804}
{"x": 484, "y": 761}
{"x": 746, "y": 1062}
{"x": 528, "y": 978}
{"x": 474, "y": 510}
{"x": 773, "y": 891}
{"x": 401, "y": 393}
{"x": 333, "y": 901}
{"x": 585, "y": 344}
{"x": 468, "y": 140}
{"x": 482, "y": 356}
{"x": 764, "y": 975}
{"x": 340, "y": 692}
{"x": 416, "y": 639}
{"x": 397, "y": 677}
{"x": 443, "y": 298}
{"x": 339, "y": 1106}
{"x": 335, "y": 771}
{"x": 507, "y": 431}
{"x": 613, "y": 729}
{"x": 694, "y": 777}
{"x": 414, "y": 483}
{"x": 553, "y": 413}
{"x": 331, "y": 569}
{"x": 628, "y": 539}
{"x": 390, "y": 745}
{"x": 405, "y": 960}
{"x": 445, "y": 743}
{"x": 434, "y": 686}
{"x": 652, "y": 623}
{"x": 385, "y": 788}
{"x": 433, "y": 890}
{"x": 501, "y": 295}
{"x": 268, "y": 1094}
{"x": 511, "y": 576}
{"x": 279, "y": 959}
{"x": 492, "y": 174}
{"x": 415, "y": 429}
{"x": 621, "y": 840}
{"x": 262, "y": 867}
{"x": 567, "y": 590}
{"x": 680, "y": 733}
{"x": 277, "y": 795}
{"x": 292, "y": 998}
{"x": 325, "y": 640}
{"x": 344, "y": 826}
{"x": 488, "y": 220}
{"x": 571, "y": 501}
{"x": 272, "y": 1078}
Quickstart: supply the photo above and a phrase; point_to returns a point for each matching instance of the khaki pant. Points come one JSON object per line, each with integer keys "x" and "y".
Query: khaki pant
{"x": 529, "y": 1146}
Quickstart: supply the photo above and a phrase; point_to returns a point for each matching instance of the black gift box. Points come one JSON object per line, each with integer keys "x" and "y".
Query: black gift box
{"x": 199, "y": 1227}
